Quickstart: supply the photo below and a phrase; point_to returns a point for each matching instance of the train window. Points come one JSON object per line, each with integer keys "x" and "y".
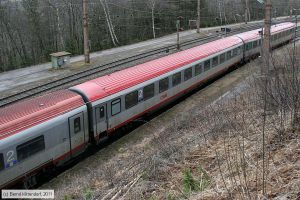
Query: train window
{"x": 115, "y": 107}
{"x": 248, "y": 46}
{"x": 206, "y": 65}
{"x": 77, "y": 125}
{"x": 255, "y": 44}
{"x": 222, "y": 58}
{"x": 148, "y": 92}
{"x": 215, "y": 61}
{"x": 163, "y": 85}
{"x": 188, "y": 74}
{"x": 131, "y": 99}
{"x": 238, "y": 50}
{"x": 30, "y": 148}
{"x": 1, "y": 162}
{"x": 176, "y": 79}
{"x": 235, "y": 52}
{"x": 102, "y": 112}
{"x": 198, "y": 69}
{"x": 229, "y": 55}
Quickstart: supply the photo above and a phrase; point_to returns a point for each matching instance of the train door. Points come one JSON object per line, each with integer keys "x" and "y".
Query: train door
{"x": 101, "y": 121}
{"x": 77, "y": 133}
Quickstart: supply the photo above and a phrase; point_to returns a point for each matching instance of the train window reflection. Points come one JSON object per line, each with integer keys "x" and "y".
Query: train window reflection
{"x": 30, "y": 148}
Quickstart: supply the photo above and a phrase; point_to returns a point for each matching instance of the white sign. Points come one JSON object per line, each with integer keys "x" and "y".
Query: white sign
{"x": 27, "y": 194}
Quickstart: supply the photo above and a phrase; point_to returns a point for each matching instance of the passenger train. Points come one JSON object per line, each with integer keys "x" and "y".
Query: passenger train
{"x": 48, "y": 131}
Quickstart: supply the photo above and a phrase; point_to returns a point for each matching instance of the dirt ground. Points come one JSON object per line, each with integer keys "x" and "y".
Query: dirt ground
{"x": 192, "y": 152}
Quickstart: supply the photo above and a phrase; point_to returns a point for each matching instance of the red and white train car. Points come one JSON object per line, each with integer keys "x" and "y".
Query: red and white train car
{"x": 45, "y": 131}
{"x": 118, "y": 98}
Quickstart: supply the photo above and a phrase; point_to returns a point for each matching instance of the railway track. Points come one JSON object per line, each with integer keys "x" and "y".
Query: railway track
{"x": 73, "y": 78}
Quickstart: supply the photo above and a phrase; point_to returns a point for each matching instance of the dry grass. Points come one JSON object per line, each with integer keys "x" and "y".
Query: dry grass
{"x": 231, "y": 154}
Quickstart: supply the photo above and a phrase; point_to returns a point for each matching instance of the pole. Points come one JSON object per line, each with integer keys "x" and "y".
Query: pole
{"x": 267, "y": 33}
{"x": 265, "y": 70}
{"x": 296, "y": 28}
{"x": 178, "y": 37}
{"x": 295, "y": 99}
{"x": 86, "y": 32}
{"x": 179, "y": 28}
{"x": 246, "y": 11}
{"x": 220, "y": 13}
{"x": 261, "y": 43}
{"x": 198, "y": 19}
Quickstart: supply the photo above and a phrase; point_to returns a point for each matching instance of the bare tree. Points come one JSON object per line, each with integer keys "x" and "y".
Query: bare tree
{"x": 152, "y": 4}
{"x": 109, "y": 23}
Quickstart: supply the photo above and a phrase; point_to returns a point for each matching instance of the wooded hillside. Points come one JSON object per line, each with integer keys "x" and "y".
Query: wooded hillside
{"x": 32, "y": 29}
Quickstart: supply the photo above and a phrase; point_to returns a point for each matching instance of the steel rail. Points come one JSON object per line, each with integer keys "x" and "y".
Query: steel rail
{"x": 33, "y": 91}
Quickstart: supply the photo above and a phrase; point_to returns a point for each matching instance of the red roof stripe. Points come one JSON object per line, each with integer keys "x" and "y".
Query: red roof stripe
{"x": 24, "y": 115}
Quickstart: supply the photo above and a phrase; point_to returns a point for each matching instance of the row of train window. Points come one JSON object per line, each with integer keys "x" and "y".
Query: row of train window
{"x": 257, "y": 43}
{"x": 148, "y": 92}
{"x": 26, "y": 150}
{"x": 282, "y": 34}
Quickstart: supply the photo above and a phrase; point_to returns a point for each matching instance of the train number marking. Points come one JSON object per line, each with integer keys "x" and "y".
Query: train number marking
{"x": 140, "y": 95}
{"x": 10, "y": 156}
{"x": 11, "y": 160}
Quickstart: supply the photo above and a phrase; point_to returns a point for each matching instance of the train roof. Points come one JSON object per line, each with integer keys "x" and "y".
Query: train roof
{"x": 252, "y": 35}
{"x": 113, "y": 83}
{"x": 23, "y": 115}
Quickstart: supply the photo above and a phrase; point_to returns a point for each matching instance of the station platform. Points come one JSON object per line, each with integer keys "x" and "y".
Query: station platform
{"x": 13, "y": 81}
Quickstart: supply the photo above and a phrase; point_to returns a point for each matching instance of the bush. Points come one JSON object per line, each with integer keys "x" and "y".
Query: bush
{"x": 189, "y": 183}
{"x": 195, "y": 184}
{"x": 88, "y": 194}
